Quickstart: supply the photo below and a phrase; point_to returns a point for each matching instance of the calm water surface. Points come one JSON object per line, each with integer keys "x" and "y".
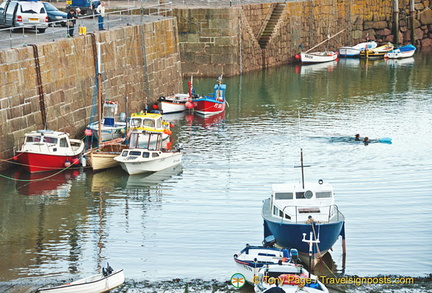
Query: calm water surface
{"x": 188, "y": 222}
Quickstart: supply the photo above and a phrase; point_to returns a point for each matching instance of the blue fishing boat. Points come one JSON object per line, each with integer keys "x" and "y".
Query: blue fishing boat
{"x": 294, "y": 210}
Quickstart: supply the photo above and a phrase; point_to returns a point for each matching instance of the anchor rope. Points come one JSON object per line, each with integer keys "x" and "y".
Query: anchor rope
{"x": 319, "y": 252}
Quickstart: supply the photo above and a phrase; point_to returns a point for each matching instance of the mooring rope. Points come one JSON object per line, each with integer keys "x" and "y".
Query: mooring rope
{"x": 40, "y": 179}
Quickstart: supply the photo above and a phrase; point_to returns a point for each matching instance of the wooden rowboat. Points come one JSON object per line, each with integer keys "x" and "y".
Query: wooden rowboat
{"x": 318, "y": 57}
{"x": 93, "y": 284}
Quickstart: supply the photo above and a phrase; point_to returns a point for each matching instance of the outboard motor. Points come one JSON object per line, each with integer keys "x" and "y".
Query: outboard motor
{"x": 269, "y": 241}
{"x": 295, "y": 256}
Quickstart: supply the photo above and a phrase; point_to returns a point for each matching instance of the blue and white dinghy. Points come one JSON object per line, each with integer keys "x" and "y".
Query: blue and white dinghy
{"x": 252, "y": 258}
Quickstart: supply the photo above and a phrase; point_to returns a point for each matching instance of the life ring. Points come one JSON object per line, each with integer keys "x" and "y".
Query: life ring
{"x": 290, "y": 279}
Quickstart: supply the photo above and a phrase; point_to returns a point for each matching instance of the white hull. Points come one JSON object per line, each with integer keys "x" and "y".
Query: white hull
{"x": 168, "y": 107}
{"x": 94, "y": 284}
{"x": 138, "y": 165}
{"x": 318, "y": 57}
{"x": 399, "y": 55}
{"x": 247, "y": 271}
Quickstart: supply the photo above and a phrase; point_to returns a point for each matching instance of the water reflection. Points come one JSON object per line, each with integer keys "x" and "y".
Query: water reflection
{"x": 316, "y": 68}
{"x": 152, "y": 179}
{"x": 400, "y": 62}
{"x": 47, "y": 183}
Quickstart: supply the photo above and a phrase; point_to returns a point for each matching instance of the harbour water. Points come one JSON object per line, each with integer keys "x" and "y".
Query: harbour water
{"x": 187, "y": 222}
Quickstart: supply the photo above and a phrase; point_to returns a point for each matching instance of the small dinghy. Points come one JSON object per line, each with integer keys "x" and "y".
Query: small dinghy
{"x": 252, "y": 258}
{"x": 107, "y": 280}
{"x": 288, "y": 278}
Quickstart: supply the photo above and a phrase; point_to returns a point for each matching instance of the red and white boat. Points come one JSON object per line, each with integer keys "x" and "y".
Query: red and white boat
{"x": 47, "y": 150}
{"x": 213, "y": 103}
{"x": 178, "y": 102}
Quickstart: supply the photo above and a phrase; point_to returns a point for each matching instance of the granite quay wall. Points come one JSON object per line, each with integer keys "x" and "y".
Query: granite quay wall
{"x": 136, "y": 62}
{"x": 215, "y": 40}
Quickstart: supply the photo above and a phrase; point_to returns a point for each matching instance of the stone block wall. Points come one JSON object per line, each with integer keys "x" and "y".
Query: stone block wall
{"x": 303, "y": 25}
{"x": 136, "y": 62}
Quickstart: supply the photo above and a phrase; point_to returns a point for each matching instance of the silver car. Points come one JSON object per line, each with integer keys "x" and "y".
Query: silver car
{"x": 24, "y": 14}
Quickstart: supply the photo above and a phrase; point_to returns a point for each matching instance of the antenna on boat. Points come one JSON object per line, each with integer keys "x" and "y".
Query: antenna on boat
{"x": 302, "y": 166}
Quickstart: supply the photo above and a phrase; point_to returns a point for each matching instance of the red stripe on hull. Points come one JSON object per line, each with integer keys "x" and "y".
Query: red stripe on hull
{"x": 208, "y": 107}
{"x": 35, "y": 163}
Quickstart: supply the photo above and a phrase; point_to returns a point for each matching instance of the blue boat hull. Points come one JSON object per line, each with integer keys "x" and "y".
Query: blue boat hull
{"x": 291, "y": 235}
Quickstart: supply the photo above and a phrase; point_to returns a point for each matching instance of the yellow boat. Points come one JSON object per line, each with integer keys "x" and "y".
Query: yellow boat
{"x": 378, "y": 52}
{"x": 151, "y": 122}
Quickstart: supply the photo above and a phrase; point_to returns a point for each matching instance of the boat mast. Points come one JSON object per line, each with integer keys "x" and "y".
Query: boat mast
{"x": 99, "y": 99}
{"x": 302, "y": 167}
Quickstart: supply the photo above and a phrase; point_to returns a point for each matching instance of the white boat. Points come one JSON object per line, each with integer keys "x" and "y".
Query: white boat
{"x": 47, "y": 150}
{"x": 318, "y": 57}
{"x": 147, "y": 155}
{"x": 354, "y": 51}
{"x": 175, "y": 103}
{"x": 178, "y": 102}
{"x": 291, "y": 278}
{"x": 110, "y": 127}
{"x": 102, "y": 282}
{"x": 252, "y": 258}
{"x": 401, "y": 52}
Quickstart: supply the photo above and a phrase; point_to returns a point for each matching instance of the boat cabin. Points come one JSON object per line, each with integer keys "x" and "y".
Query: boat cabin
{"x": 219, "y": 92}
{"x": 293, "y": 203}
{"x": 146, "y": 121}
{"x": 140, "y": 139}
{"x": 109, "y": 112}
{"x": 49, "y": 141}
{"x": 143, "y": 144}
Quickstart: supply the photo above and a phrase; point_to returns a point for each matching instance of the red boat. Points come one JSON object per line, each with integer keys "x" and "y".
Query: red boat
{"x": 213, "y": 103}
{"x": 47, "y": 150}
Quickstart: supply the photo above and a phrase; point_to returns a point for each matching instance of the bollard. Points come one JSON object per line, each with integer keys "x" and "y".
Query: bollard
{"x": 82, "y": 30}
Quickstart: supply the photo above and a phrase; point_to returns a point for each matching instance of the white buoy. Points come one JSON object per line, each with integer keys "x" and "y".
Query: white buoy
{"x": 83, "y": 161}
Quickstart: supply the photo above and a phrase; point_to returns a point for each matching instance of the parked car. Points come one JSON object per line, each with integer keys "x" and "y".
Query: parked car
{"x": 85, "y": 6}
{"x": 19, "y": 14}
{"x": 55, "y": 16}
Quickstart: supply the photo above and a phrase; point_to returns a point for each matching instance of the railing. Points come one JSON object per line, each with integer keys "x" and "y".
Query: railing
{"x": 333, "y": 216}
{"x": 114, "y": 18}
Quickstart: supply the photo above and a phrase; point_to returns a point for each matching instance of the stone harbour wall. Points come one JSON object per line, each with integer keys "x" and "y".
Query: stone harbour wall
{"x": 136, "y": 62}
{"x": 225, "y": 40}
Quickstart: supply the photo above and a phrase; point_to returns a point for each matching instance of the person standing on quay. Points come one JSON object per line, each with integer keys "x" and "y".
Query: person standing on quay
{"x": 71, "y": 19}
{"x": 101, "y": 15}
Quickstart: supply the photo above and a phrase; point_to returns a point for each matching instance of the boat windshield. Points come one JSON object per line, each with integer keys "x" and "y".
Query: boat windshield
{"x": 37, "y": 138}
{"x": 135, "y": 122}
{"x": 323, "y": 194}
{"x": 149, "y": 123}
{"x": 284, "y": 195}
